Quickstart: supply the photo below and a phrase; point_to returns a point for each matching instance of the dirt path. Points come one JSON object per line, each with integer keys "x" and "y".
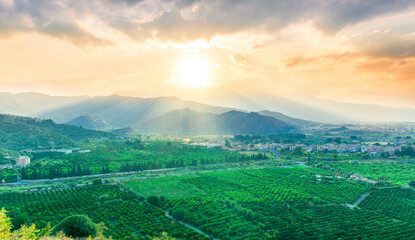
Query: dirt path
{"x": 359, "y": 200}
{"x": 189, "y": 226}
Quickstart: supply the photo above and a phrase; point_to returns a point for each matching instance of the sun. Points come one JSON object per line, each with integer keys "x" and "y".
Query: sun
{"x": 193, "y": 71}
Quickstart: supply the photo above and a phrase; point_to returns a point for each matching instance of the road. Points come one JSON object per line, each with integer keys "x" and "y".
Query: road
{"x": 178, "y": 171}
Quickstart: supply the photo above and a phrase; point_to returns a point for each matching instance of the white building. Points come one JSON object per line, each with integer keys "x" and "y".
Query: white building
{"x": 22, "y": 161}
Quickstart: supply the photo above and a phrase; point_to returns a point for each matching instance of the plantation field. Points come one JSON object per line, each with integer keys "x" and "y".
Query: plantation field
{"x": 120, "y": 211}
{"x": 268, "y": 203}
{"x": 250, "y": 153}
{"x": 125, "y": 156}
{"x": 272, "y": 203}
{"x": 396, "y": 203}
{"x": 173, "y": 187}
{"x": 400, "y": 174}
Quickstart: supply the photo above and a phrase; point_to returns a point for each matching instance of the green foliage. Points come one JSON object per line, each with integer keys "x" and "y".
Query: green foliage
{"x": 5, "y": 224}
{"x": 76, "y": 226}
{"x": 127, "y": 156}
{"x": 164, "y": 236}
{"x": 412, "y": 183}
{"x": 268, "y": 203}
{"x": 20, "y": 220}
{"x": 298, "y": 150}
{"x": 122, "y": 214}
{"x": 172, "y": 187}
{"x": 28, "y": 233}
{"x": 397, "y": 173}
{"x": 29, "y": 133}
{"x": 406, "y": 151}
{"x": 179, "y": 214}
{"x": 272, "y": 203}
{"x": 97, "y": 181}
{"x": 395, "y": 203}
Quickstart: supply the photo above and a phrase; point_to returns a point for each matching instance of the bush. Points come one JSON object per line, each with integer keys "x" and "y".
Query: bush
{"x": 76, "y": 226}
{"x": 179, "y": 214}
{"x": 154, "y": 200}
{"x": 20, "y": 220}
{"x": 97, "y": 181}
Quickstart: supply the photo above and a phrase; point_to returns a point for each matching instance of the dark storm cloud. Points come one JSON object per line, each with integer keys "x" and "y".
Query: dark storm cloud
{"x": 182, "y": 20}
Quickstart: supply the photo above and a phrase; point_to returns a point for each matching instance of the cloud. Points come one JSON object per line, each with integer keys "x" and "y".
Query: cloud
{"x": 327, "y": 59}
{"x": 240, "y": 60}
{"x": 222, "y": 17}
{"x": 342, "y": 13}
{"x": 53, "y": 18}
{"x": 184, "y": 20}
{"x": 384, "y": 44}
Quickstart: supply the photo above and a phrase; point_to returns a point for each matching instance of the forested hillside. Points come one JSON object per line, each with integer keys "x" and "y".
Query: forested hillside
{"x": 187, "y": 121}
{"x": 30, "y": 133}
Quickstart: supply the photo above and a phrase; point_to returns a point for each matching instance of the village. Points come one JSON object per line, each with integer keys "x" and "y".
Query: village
{"x": 373, "y": 149}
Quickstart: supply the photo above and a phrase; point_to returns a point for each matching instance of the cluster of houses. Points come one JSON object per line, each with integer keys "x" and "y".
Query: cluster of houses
{"x": 24, "y": 161}
{"x": 21, "y": 161}
{"x": 338, "y": 148}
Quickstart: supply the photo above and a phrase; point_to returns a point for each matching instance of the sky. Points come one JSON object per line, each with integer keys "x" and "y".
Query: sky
{"x": 344, "y": 50}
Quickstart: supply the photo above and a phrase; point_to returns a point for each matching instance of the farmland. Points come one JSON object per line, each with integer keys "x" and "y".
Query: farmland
{"x": 267, "y": 203}
{"x": 395, "y": 203}
{"x": 397, "y": 173}
{"x": 123, "y": 214}
{"x": 125, "y": 156}
{"x": 283, "y": 203}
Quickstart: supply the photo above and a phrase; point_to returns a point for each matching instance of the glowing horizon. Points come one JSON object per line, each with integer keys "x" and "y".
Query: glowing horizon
{"x": 343, "y": 50}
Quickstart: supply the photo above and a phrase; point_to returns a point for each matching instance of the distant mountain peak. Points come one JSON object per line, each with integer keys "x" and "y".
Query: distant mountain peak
{"x": 188, "y": 121}
{"x": 88, "y": 122}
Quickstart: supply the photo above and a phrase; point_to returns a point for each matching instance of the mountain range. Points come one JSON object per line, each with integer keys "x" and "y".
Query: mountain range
{"x": 133, "y": 113}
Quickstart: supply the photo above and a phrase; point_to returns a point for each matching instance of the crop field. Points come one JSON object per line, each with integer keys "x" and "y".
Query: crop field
{"x": 174, "y": 187}
{"x": 267, "y": 203}
{"x": 400, "y": 174}
{"x": 123, "y": 215}
{"x": 395, "y": 203}
{"x": 272, "y": 203}
{"x": 108, "y": 157}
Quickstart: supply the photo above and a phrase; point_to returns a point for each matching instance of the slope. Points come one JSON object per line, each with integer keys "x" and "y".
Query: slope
{"x": 187, "y": 121}
{"x": 24, "y": 132}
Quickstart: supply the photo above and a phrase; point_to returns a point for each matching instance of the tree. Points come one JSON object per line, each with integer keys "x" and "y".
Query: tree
{"x": 412, "y": 183}
{"x": 154, "y": 200}
{"x": 24, "y": 233}
{"x": 76, "y": 226}
{"x": 97, "y": 181}
{"x": 31, "y": 232}
{"x": 5, "y": 225}
{"x": 407, "y": 151}
{"x": 180, "y": 214}
{"x": 164, "y": 236}
{"x": 20, "y": 220}
{"x": 298, "y": 150}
